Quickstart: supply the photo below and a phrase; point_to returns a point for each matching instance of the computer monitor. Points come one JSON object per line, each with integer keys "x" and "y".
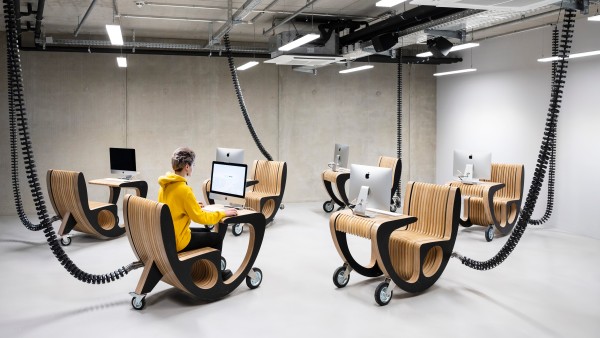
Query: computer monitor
{"x": 230, "y": 155}
{"x": 470, "y": 167}
{"x": 340, "y": 155}
{"x": 122, "y": 162}
{"x": 379, "y": 181}
{"x": 228, "y": 179}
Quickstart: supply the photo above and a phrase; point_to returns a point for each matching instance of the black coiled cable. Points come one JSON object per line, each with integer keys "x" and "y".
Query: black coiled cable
{"x": 238, "y": 92}
{"x": 552, "y": 159}
{"x": 399, "y": 122}
{"x": 545, "y": 153}
{"x": 18, "y": 120}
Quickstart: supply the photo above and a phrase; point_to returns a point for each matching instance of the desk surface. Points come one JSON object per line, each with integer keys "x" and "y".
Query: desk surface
{"x": 115, "y": 182}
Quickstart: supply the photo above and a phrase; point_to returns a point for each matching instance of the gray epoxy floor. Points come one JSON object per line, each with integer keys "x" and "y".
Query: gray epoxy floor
{"x": 547, "y": 288}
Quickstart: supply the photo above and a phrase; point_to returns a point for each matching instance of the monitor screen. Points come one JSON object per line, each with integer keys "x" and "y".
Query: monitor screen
{"x": 230, "y": 155}
{"x": 482, "y": 164}
{"x": 340, "y": 155}
{"x": 379, "y": 181}
{"x": 122, "y": 161}
{"x": 228, "y": 179}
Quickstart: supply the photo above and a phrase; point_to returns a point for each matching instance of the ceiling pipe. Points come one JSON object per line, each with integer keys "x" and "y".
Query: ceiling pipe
{"x": 172, "y": 18}
{"x": 89, "y": 10}
{"x": 296, "y": 13}
{"x": 263, "y": 11}
{"x": 39, "y": 17}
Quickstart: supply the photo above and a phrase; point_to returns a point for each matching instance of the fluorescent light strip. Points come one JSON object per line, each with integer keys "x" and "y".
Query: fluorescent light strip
{"x": 122, "y": 61}
{"x": 355, "y": 69}
{"x": 572, "y": 56}
{"x": 388, "y": 3}
{"x": 247, "y": 65}
{"x": 114, "y": 33}
{"x": 580, "y": 55}
{"x": 299, "y": 42}
{"x": 453, "y": 49}
{"x": 594, "y": 18}
{"x": 456, "y": 72}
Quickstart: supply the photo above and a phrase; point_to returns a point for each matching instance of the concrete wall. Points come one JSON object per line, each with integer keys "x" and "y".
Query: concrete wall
{"x": 81, "y": 104}
{"x": 502, "y": 108}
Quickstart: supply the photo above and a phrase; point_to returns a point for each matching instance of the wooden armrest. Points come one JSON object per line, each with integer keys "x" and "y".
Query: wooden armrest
{"x": 98, "y": 205}
{"x": 384, "y": 230}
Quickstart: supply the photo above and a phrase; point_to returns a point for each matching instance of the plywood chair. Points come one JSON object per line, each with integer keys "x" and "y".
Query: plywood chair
{"x": 151, "y": 234}
{"x": 410, "y": 250}
{"x": 506, "y": 200}
{"x": 68, "y": 195}
{"x": 396, "y": 165}
{"x": 266, "y": 195}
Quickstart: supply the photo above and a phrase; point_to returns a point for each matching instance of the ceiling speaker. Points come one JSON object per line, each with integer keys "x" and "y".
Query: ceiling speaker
{"x": 384, "y": 42}
{"x": 439, "y": 46}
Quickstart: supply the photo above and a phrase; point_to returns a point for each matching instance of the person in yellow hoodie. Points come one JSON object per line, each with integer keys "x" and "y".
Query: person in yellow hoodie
{"x": 178, "y": 195}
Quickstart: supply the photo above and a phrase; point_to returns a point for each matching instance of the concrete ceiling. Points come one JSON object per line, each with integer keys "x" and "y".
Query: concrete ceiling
{"x": 152, "y": 21}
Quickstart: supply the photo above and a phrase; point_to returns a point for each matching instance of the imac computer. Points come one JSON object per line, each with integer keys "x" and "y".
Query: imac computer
{"x": 230, "y": 155}
{"x": 340, "y": 156}
{"x": 470, "y": 167}
{"x": 228, "y": 182}
{"x": 122, "y": 162}
{"x": 370, "y": 188}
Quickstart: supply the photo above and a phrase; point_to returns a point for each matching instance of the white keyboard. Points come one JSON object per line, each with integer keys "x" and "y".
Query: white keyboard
{"x": 379, "y": 211}
{"x": 213, "y": 207}
{"x": 115, "y": 179}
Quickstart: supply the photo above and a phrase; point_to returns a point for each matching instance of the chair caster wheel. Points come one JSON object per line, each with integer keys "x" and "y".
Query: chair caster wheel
{"x": 382, "y": 297}
{"x": 282, "y": 206}
{"x": 237, "y": 229}
{"x": 65, "y": 241}
{"x": 489, "y": 233}
{"x": 393, "y": 208}
{"x": 328, "y": 206}
{"x": 338, "y": 277}
{"x": 253, "y": 283}
{"x": 138, "y": 303}
{"x": 223, "y": 263}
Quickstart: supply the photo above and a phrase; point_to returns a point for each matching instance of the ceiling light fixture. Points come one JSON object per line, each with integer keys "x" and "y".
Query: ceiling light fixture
{"x": 247, "y": 65}
{"x": 453, "y": 49}
{"x": 299, "y": 42}
{"x": 572, "y": 56}
{"x": 355, "y": 69}
{"x": 388, "y": 3}
{"x": 122, "y": 61}
{"x": 456, "y": 72}
{"x": 115, "y": 35}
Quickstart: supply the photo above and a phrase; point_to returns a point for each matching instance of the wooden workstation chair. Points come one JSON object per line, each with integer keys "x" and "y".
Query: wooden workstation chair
{"x": 150, "y": 231}
{"x": 506, "y": 201}
{"x": 410, "y": 250}
{"x": 68, "y": 195}
{"x": 396, "y": 165}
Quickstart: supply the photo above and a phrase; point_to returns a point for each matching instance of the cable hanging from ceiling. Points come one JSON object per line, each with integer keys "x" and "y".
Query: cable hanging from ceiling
{"x": 18, "y": 121}
{"x": 547, "y": 149}
{"x": 240, "y": 97}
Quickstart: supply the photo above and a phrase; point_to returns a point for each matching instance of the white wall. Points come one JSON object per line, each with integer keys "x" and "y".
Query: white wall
{"x": 502, "y": 108}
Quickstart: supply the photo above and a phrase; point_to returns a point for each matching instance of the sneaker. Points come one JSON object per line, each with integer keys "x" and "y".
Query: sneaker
{"x": 226, "y": 274}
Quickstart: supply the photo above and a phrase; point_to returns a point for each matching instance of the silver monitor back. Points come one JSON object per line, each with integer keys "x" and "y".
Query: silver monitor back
{"x": 482, "y": 164}
{"x": 340, "y": 155}
{"x": 230, "y": 155}
{"x": 379, "y": 181}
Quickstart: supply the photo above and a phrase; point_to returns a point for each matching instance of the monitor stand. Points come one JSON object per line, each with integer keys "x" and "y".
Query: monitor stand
{"x": 467, "y": 178}
{"x": 360, "y": 209}
{"x": 126, "y": 177}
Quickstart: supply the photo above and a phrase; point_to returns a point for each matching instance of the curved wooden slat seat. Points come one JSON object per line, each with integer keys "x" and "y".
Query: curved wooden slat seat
{"x": 68, "y": 195}
{"x": 396, "y": 165}
{"x": 411, "y": 250}
{"x": 415, "y": 257}
{"x": 150, "y": 231}
{"x": 504, "y": 191}
{"x": 345, "y": 222}
{"x": 338, "y": 179}
{"x": 267, "y": 194}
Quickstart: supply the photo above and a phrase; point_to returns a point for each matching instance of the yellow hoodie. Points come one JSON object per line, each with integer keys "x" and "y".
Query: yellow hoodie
{"x": 184, "y": 207}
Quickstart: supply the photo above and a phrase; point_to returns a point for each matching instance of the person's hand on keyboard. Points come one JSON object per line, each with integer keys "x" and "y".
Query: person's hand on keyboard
{"x": 231, "y": 212}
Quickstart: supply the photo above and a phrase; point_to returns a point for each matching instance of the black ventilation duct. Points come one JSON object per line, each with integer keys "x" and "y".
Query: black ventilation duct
{"x": 439, "y": 46}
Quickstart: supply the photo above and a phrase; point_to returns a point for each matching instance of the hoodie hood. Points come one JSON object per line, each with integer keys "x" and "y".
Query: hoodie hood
{"x": 170, "y": 178}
